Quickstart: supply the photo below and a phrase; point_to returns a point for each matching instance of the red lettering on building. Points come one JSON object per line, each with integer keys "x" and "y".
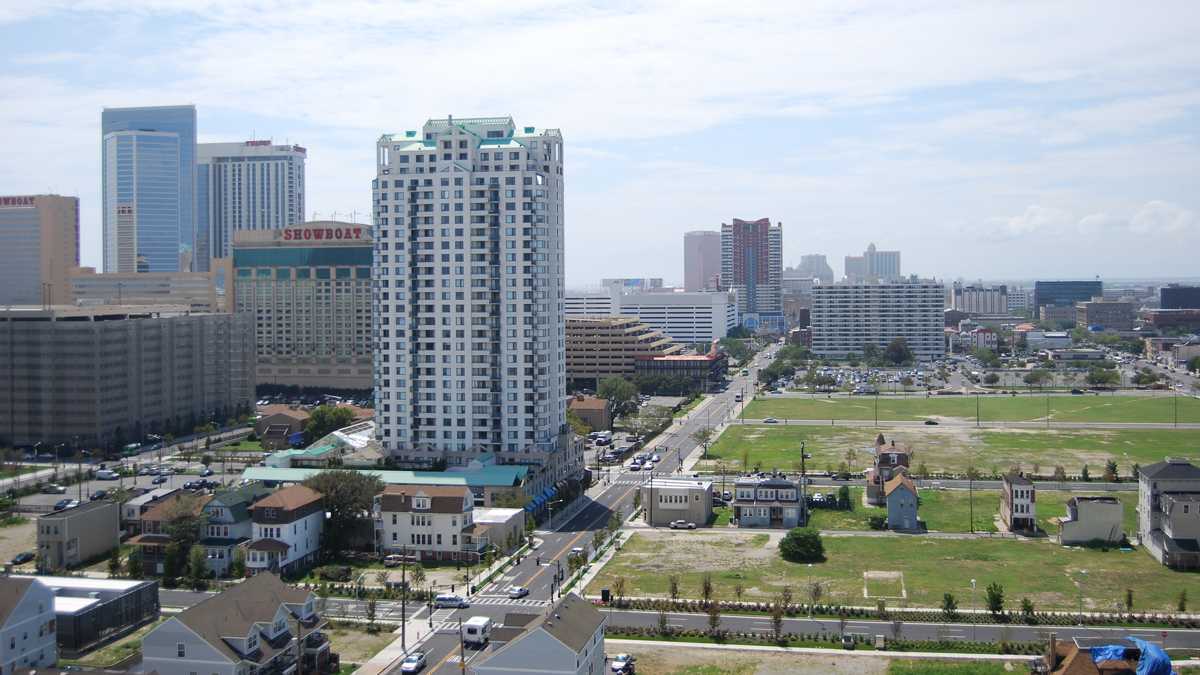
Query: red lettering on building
{"x": 322, "y": 233}
{"x": 16, "y": 201}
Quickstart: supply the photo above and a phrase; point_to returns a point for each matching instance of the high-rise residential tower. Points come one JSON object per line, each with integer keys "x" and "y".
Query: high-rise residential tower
{"x": 253, "y": 185}
{"x": 701, "y": 260}
{"x": 468, "y": 296}
{"x": 873, "y": 265}
{"x": 752, "y": 265}
{"x": 148, "y": 190}
{"x": 39, "y": 244}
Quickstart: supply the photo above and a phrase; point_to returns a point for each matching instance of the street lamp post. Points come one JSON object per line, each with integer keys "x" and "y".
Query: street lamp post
{"x": 1079, "y": 585}
{"x": 973, "y": 610}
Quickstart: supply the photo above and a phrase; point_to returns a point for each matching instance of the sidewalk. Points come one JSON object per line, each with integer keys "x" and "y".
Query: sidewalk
{"x": 940, "y": 656}
{"x": 388, "y": 657}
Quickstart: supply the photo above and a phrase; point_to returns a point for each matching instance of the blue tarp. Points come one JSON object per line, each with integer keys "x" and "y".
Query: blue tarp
{"x": 1107, "y": 653}
{"x": 1154, "y": 659}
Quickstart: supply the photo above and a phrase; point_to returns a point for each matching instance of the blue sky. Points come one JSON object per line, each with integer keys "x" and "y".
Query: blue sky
{"x": 993, "y": 140}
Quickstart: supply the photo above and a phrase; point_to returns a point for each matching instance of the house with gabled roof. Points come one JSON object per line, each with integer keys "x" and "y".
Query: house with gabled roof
{"x": 900, "y": 494}
{"x": 285, "y": 530}
{"x": 229, "y": 524}
{"x": 259, "y": 626}
{"x": 1169, "y": 512}
{"x": 27, "y": 624}
{"x": 568, "y": 639}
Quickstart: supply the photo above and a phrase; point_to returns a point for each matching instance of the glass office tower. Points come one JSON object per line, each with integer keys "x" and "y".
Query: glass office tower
{"x": 148, "y": 189}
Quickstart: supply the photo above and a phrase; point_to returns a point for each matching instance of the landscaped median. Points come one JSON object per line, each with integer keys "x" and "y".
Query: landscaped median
{"x": 900, "y": 572}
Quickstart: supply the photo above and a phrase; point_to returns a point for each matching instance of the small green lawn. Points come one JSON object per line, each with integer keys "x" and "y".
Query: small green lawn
{"x": 1106, "y": 408}
{"x": 857, "y": 518}
{"x": 950, "y": 510}
{"x": 721, "y": 516}
{"x": 919, "y": 667}
{"x": 114, "y": 651}
{"x": 688, "y": 407}
{"x": 1038, "y": 569}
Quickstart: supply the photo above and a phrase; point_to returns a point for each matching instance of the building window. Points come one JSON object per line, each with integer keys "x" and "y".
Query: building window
{"x": 179, "y": 650}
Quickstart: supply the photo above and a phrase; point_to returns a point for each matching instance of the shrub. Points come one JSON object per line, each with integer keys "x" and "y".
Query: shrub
{"x": 802, "y": 545}
{"x": 334, "y": 572}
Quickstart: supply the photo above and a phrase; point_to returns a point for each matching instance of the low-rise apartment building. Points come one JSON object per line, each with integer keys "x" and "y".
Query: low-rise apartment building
{"x": 668, "y": 499}
{"x": 286, "y": 531}
{"x": 702, "y": 372}
{"x": 846, "y": 316}
{"x": 71, "y": 537}
{"x": 1169, "y": 512}
{"x": 133, "y": 510}
{"x": 567, "y": 639}
{"x": 432, "y": 522}
{"x": 774, "y": 502}
{"x": 1091, "y": 519}
{"x": 28, "y": 628}
{"x": 1018, "y": 503}
{"x": 251, "y": 627}
{"x": 1110, "y": 315}
{"x": 156, "y": 526}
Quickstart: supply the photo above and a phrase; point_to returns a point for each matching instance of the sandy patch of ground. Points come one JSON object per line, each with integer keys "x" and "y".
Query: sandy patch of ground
{"x": 17, "y": 538}
{"x": 719, "y": 549}
{"x": 671, "y": 660}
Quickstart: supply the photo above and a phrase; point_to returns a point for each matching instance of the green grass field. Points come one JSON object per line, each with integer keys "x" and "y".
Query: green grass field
{"x": 914, "y": 667}
{"x": 998, "y": 408}
{"x": 1038, "y": 569}
{"x": 951, "y": 449}
{"x": 941, "y": 510}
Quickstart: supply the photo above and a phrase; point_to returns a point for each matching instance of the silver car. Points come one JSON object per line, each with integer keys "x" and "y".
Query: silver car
{"x": 413, "y": 663}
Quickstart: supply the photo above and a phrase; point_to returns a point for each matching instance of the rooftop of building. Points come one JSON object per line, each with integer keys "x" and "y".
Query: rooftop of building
{"x": 1013, "y": 478}
{"x": 442, "y": 498}
{"x": 1173, "y": 468}
{"x": 234, "y": 611}
{"x": 898, "y": 481}
{"x": 77, "y": 510}
{"x": 492, "y": 515}
{"x": 506, "y": 475}
{"x": 680, "y": 484}
{"x": 571, "y": 621}
{"x": 289, "y": 498}
{"x": 94, "y": 312}
{"x": 587, "y": 403}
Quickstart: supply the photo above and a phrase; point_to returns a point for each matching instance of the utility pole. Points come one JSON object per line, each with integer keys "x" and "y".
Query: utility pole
{"x": 462, "y": 649}
{"x": 404, "y": 598}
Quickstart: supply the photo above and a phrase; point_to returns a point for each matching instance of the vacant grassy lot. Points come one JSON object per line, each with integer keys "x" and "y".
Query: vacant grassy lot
{"x": 356, "y": 645}
{"x": 1037, "y": 569}
{"x": 950, "y": 448}
{"x": 1054, "y": 505}
{"x": 942, "y": 510}
{"x": 1107, "y": 408}
{"x": 911, "y": 667}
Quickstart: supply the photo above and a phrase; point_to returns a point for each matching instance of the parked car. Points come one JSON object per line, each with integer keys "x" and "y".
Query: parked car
{"x": 205, "y": 472}
{"x": 450, "y": 601}
{"x": 394, "y": 560}
{"x": 682, "y": 525}
{"x": 413, "y": 663}
{"x": 931, "y": 423}
{"x": 623, "y": 664}
{"x": 107, "y": 474}
{"x": 515, "y": 592}
{"x": 53, "y": 489}
{"x": 727, "y": 495}
{"x": 159, "y": 480}
{"x": 23, "y": 557}
{"x": 656, "y": 458}
{"x": 98, "y": 494}
{"x": 65, "y": 504}
{"x": 770, "y": 420}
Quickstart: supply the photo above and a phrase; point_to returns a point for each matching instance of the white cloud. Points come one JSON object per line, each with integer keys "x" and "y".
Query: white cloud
{"x": 1035, "y": 220}
{"x": 1163, "y": 218}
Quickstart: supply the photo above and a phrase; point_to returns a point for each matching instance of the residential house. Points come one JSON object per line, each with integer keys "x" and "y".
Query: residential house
{"x": 1017, "y": 503}
{"x": 432, "y": 522}
{"x": 256, "y": 626}
{"x": 71, "y": 537}
{"x": 1091, "y": 519}
{"x": 668, "y": 499}
{"x": 768, "y": 502}
{"x": 568, "y": 639}
{"x": 1169, "y": 512}
{"x": 887, "y": 461}
{"x": 595, "y": 412}
{"x": 27, "y": 625}
{"x": 228, "y": 524}
{"x": 132, "y": 510}
{"x": 286, "y": 531}
{"x": 156, "y": 527}
{"x": 89, "y": 612}
{"x": 901, "y": 496}
{"x": 503, "y": 528}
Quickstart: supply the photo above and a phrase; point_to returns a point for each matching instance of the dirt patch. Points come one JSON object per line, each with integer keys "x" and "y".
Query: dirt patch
{"x": 17, "y": 538}
{"x": 675, "y": 660}
{"x": 721, "y": 548}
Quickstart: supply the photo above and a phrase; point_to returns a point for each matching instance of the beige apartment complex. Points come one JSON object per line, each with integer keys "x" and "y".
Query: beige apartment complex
{"x": 1107, "y": 314}
{"x": 106, "y": 376}
{"x": 604, "y": 346}
{"x": 39, "y": 244}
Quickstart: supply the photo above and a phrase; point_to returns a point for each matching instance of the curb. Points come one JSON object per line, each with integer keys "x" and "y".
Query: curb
{"x": 938, "y": 656}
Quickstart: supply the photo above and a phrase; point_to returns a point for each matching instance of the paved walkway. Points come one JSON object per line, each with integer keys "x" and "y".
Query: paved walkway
{"x": 390, "y": 656}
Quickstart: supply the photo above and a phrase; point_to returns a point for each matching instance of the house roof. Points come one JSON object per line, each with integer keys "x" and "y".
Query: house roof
{"x": 1017, "y": 479}
{"x": 572, "y": 621}
{"x": 442, "y": 498}
{"x": 163, "y": 508}
{"x": 271, "y": 545}
{"x": 1171, "y": 469}
{"x": 238, "y": 500}
{"x": 12, "y": 589}
{"x": 588, "y": 403}
{"x": 77, "y": 510}
{"x": 507, "y": 475}
{"x": 232, "y": 612}
{"x": 289, "y": 498}
{"x": 283, "y": 409}
{"x": 896, "y": 482}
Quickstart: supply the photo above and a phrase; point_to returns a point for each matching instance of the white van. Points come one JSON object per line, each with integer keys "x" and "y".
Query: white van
{"x": 451, "y": 601}
{"x": 477, "y": 630}
{"x": 106, "y": 474}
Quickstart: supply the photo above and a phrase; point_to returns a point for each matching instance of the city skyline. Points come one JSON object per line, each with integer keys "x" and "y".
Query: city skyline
{"x": 958, "y": 151}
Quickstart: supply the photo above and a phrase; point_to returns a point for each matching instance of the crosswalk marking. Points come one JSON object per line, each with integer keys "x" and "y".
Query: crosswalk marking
{"x": 498, "y": 600}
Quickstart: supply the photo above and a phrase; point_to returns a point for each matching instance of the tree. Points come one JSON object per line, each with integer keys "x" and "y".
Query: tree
{"x": 618, "y": 588}
{"x": 1102, "y": 376}
{"x": 416, "y": 574}
{"x": 991, "y": 378}
{"x": 1193, "y": 364}
{"x": 814, "y": 589}
{"x": 1110, "y": 471}
{"x": 673, "y": 586}
{"x": 664, "y": 628}
{"x": 114, "y": 562}
{"x": 987, "y": 357}
{"x": 994, "y": 597}
{"x": 802, "y": 545}
{"x": 648, "y": 420}
{"x": 1036, "y": 377}
{"x": 197, "y": 567}
{"x": 348, "y": 496}
{"x": 578, "y": 426}
{"x": 325, "y": 419}
{"x": 206, "y": 459}
{"x": 1084, "y": 475}
{"x": 843, "y": 498}
{"x": 1128, "y": 599}
{"x": 898, "y": 352}
{"x": 371, "y": 612}
{"x": 597, "y": 540}
{"x": 174, "y": 563}
{"x": 703, "y": 436}
{"x": 184, "y": 524}
{"x": 714, "y": 619}
{"x": 706, "y": 587}
{"x": 617, "y": 391}
{"x": 949, "y": 605}
{"x": 135, "y": 563}
{"x": 1060, "y": 473}
{"x": 1027, "y": 610}
{"x": 777, "y": 611}
{"x": 738, "y": 591}
{"x": 637, "y": 500}
{"x": 1181, "y": 604}
{"x": 237, "y": 569}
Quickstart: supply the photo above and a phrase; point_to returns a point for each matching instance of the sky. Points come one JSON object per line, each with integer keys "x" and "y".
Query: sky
{"x": 992, "y": 140}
